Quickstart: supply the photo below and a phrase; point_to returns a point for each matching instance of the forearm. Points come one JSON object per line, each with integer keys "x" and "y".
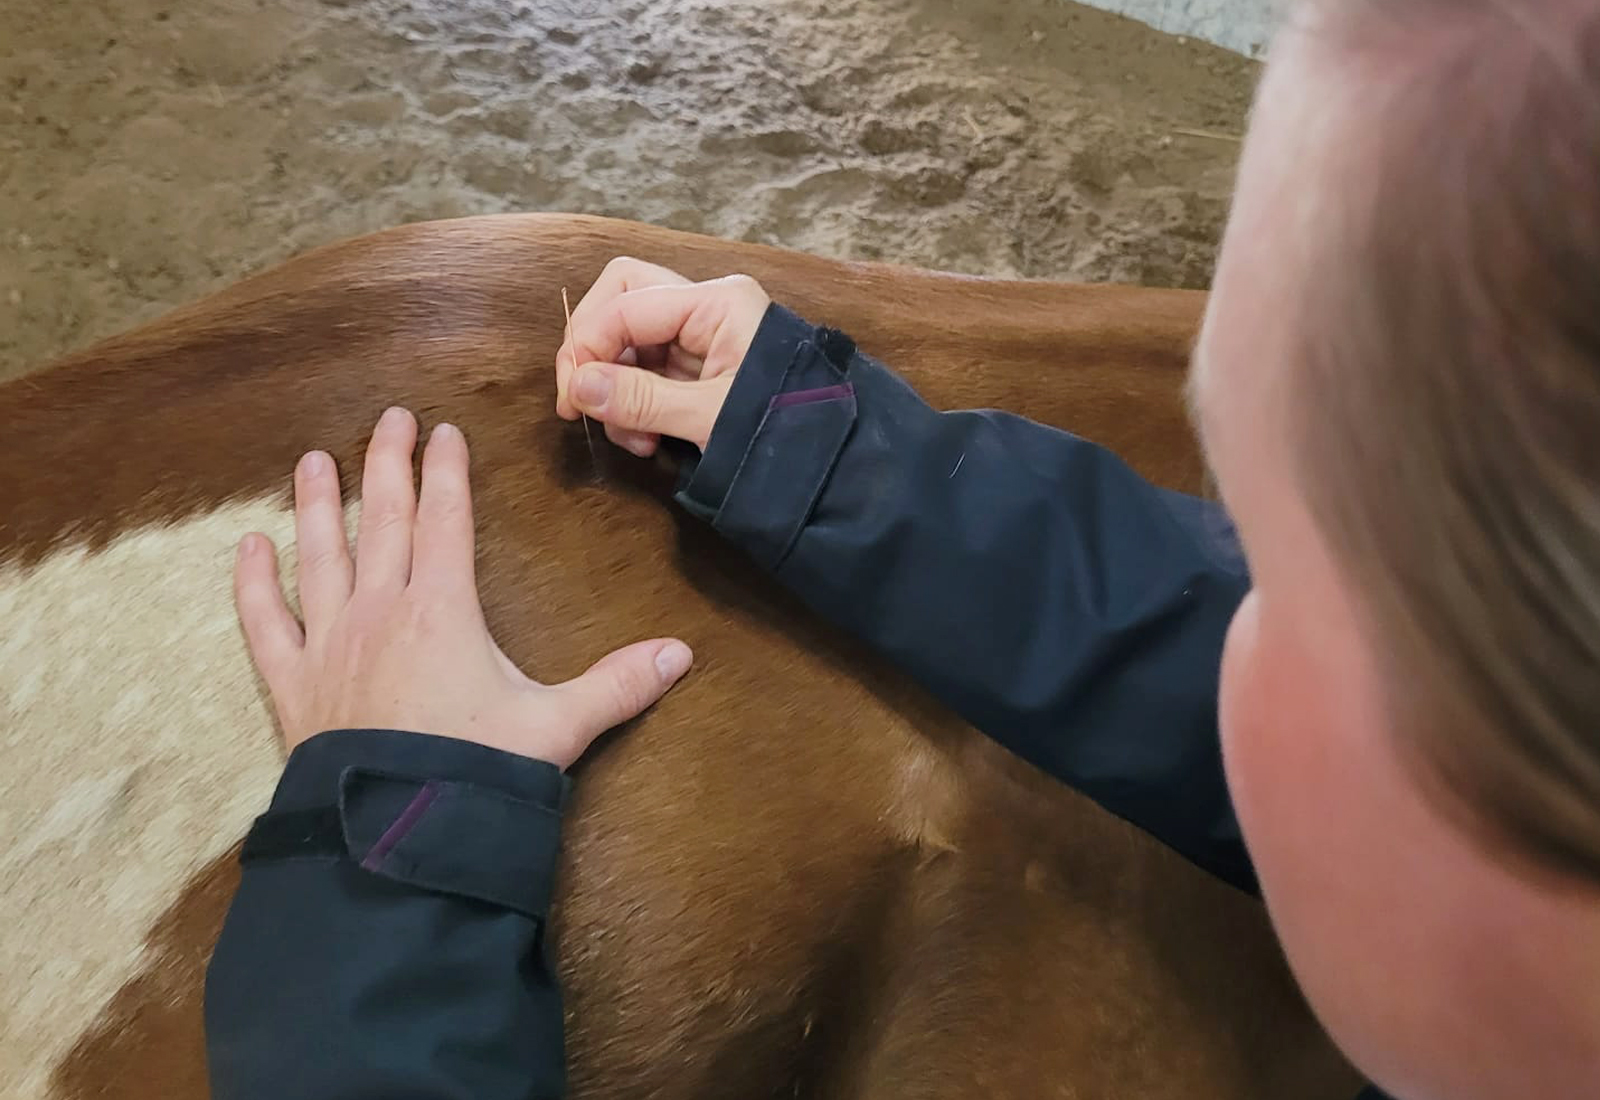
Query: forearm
{"x": 386, "y": 939}
{"x": 1029, "y": 578}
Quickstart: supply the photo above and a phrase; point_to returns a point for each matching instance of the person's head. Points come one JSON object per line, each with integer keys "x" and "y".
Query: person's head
{"x": 1399, "y": 387}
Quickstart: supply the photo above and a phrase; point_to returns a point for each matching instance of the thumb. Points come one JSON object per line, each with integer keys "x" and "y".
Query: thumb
{"x": 623, "y": 684}
{"x": 641, "y": 400}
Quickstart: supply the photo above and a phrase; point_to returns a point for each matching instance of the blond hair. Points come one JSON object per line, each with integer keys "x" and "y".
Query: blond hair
{"x": 1447, "y": 415}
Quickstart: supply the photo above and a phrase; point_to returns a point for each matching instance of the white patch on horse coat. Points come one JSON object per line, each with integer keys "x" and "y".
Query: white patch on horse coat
{"x": 136, "y": 745}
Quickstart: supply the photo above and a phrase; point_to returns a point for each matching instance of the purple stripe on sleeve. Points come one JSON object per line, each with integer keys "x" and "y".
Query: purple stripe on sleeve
{"x": 806, "y": 397}
{"x": 403, "y": 824}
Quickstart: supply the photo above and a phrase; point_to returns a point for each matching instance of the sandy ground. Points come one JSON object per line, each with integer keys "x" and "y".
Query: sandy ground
{"x": 151, "y": 150}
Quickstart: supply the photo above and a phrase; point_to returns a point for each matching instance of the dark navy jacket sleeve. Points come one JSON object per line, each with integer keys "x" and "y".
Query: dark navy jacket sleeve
{"x": 1030, "y": 579}
{"x": 386, "y": 940}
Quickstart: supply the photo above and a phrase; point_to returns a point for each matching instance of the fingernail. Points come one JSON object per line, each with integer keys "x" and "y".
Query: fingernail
{"x": 393, "y": 414}
{"x": 673, "y": 661}
{"x": 639, "y": 448}
{"x": 313, "y": 463}
{"x": 593, "y": 387}
{"x": 247, "y": 546}
{"x": 447, "y": 431}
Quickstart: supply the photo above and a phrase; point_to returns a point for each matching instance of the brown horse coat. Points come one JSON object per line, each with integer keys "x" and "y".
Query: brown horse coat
{"x": 796, "y": 876}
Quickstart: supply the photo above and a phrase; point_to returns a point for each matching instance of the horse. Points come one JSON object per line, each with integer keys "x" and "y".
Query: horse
{"x": 797, "y": 876}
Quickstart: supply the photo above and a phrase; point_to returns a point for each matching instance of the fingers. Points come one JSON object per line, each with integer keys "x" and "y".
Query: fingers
{"x": 443, "y": 559}
{"x": 640, "y": 444}
{"x": 274, "y": 637}
{"x": 619, "y": 276}
{"x": 641, "y": 401}
{"x": 326, "y": 573}
{"x": 388, "y": 505}
{"x": 692, "y": 315}
{"x": 622, "y": 685}
{"x": 624, "y": 274}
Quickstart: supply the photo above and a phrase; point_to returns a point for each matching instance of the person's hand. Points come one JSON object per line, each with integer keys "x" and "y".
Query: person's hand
{"x": 396, "y": 639}
{"x": 651, "y": 353}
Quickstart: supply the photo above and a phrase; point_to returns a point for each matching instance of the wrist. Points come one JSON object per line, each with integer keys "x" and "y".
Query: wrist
{"x": 787, "y": 357}
{"x": 315, "y": 768}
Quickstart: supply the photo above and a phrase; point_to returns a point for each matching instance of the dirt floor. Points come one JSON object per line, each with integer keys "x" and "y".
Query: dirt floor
{"x": 151, "y": 150}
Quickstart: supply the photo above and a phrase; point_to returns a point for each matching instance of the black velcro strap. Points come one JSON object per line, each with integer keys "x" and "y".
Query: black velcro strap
{"x": 838, "y": 349}
{"x": 295, "y": 834}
